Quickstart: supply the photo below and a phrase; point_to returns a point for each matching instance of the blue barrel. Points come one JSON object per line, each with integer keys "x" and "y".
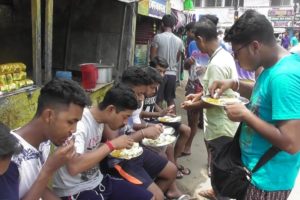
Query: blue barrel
{"x": 63, "y": 74}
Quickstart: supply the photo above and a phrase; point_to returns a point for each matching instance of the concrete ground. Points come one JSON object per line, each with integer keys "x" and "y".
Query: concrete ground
{"x": 197, "y": 161}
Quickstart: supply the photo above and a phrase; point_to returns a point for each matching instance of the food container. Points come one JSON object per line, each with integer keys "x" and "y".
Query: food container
{"x": 104, "y": 74}
{"x": 89, "y": 74}
{"x": 64, "y": 74}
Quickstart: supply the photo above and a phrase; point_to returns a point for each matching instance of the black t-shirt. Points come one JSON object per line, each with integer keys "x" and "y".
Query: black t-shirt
{"x": 9, "y": 183}
{"x": 149, "y": 105}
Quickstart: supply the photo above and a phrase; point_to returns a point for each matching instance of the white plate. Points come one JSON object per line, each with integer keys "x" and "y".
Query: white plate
{"x": 224, "y": 100}
{"x": 168, "y": 130}
{"x": 161, "y": 141}
{"x": 169, "y": 119}
{"x": 128, "y": 154}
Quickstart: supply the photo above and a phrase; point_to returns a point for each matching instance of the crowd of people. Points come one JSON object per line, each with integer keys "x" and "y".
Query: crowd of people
{"x": 63, "y": 152}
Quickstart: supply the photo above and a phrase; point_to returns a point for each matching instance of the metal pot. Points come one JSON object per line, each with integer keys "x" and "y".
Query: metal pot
{"x": 104, "y": 74}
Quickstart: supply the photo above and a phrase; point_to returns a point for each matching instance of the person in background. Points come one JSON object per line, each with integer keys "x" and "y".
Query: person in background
{"x": 170, "y": 47}
{"x": 196, "y": 66}
{"x": 272, "y": 118}
{"x": 60, "y": 107}
{"x": 81, "y": 177}
{"x": 9, "y": 176}
{"x": 285, "y": 40}
{"x": 295, "y": 39}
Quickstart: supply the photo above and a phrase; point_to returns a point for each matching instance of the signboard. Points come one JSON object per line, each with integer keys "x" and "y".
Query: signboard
{"x": 154, "y": 8}
{"x": 157, "y": 8}
{"x": 143, "y": 7}
{"x": 177, "y": 4}
{"x": 281, "y": 17}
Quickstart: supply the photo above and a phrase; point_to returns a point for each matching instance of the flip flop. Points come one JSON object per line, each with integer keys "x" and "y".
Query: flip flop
{"x": 184, "y": 170}
{"x": 181, "y": 197}
{"x": 179, "y": 175}
{"x": 184, "y": 154}
{"x": 209, "y": 194}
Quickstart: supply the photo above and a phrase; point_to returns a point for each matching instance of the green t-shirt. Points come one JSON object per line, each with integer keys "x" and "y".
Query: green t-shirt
{"x": 294, "y": 41}
{"x": 276, "y": 97}
{"x": 216, "y": 123}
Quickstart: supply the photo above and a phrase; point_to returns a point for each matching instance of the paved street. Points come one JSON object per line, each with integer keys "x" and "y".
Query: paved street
{"x": 197, "y": 162}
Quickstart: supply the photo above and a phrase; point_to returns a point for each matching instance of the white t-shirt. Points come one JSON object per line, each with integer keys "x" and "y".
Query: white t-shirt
{"x": 87, "y": 138}
{"x": 29, "y": 162}
{"x": 136, "y": 114}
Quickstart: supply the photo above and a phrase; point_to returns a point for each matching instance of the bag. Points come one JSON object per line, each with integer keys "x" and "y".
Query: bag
{"x": 229, "y": 176}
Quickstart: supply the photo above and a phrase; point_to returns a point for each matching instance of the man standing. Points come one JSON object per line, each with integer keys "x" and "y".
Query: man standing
{"x": 168, "y": 46}
{"x": 218, "y": 129}
{"x": 273, "y": 115}
{"x": 285, "y": 41}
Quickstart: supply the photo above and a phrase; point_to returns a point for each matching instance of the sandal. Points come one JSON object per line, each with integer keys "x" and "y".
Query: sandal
{"x": 209, "y": 194}
{"x": 179, "y": 175}
{"x": 184, "y": 170}
{"x": 181, "y": 197}
{"x": 184, "y": 154}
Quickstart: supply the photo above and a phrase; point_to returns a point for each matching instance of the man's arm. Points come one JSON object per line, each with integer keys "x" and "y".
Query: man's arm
{"x": 82, "y": 162}
{"x": 56, "y": 160}
{"x": 151, "y": 132}
{"x": 145, "y": 114}
{"x": 39, "y": 187}
{"x": 49, "y": 195}
{"x": 284, "y": 135}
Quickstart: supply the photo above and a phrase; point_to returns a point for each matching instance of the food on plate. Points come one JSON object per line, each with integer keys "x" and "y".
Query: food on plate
{"x": 162, "y": 140}
{"x": 224, "y": 100}
{"x": 133, "y": 152}
{"x": 168, "y": 130}
{"x": 169, "y": 119}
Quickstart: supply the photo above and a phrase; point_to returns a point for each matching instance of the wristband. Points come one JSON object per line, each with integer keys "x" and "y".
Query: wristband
{"x": 143, "y": 135}
{"x": 110, "y": 145}
{"x": 237, "y": 82}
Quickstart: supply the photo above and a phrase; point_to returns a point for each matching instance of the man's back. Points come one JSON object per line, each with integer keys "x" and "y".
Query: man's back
{"x": 168, "y": 46}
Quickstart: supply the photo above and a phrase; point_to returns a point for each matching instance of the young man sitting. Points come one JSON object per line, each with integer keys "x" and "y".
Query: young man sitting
{"x": 60, "y": 107}
{"x": 9, "y": 176}
{"x": 81, "y": 177}
{"x": 149, "y": 165}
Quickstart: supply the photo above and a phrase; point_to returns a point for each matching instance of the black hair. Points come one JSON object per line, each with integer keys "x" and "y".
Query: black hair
{"x": 135, "y": 76}
{"x": 206, "y": 29}
{"x": 189, "y": 26}
{"x": 9, "y": 144}
{"x": 157, "y": 60}
{"x": 153, "y": 74}
{"x": 226, "y": 30}
{"x": 120, "y": 96}
{"x": 212, "y": 18}
{"x": 169, "y": 21}
{"x": 61, "y": 92}
{"x": 251, "y": 26}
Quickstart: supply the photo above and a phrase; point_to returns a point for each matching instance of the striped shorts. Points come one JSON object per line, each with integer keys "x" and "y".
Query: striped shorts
{"x": 253, "y": 193}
